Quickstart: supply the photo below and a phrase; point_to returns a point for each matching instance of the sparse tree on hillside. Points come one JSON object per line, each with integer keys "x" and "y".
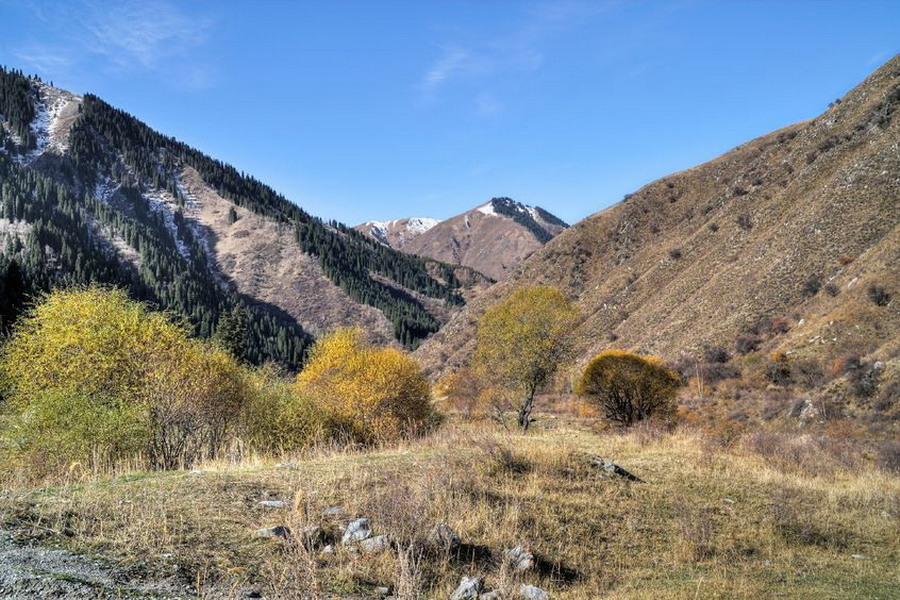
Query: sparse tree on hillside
{"x": 523, "y": 340}
{"x": 628, "y": 387}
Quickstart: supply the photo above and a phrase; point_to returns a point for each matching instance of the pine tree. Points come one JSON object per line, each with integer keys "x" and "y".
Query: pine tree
{"x": 231, "y": 332}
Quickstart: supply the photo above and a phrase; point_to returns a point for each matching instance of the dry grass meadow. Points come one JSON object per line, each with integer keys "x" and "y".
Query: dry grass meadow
{"x": 764, "y": 516}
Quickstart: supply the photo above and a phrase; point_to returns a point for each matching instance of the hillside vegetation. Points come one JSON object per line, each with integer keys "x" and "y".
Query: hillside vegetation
{"x": 786, "y": 244}
{"x": 136, "y": 202}
{"x": 721, "y": 348}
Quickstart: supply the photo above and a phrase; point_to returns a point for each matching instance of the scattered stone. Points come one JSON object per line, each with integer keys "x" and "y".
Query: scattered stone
{"x": 279, "y": 531}
{"x": 469, "y": 587}
{"x": 520, "y": 558}
{"x": 808, "y": 412}
{"x": 273, "y": 503}
{"x": 859, "y": 557}
{"x": 357, "y": 531}
{"x": 729, "y": 500}
{"x": 489, "y": 596}
{"x": 333, "y": 512}
{"x": 531, "y": 592}
{"x": 442, "y": 536}
{"x": 378, "y": 543}
{"x": 383, "y": 590}
{"x": 196, "y": 472}
{"x": 329, "y": 549}
{"x": 286, "y": 465}
{"x": 610, "y": 468}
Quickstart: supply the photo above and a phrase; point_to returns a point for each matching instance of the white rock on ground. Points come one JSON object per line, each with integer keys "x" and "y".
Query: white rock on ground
{"x": 357, "y": 531}
{"x": 469, "y": 587}
{"x": 531, "y": 592}
{"x": 378, "y": 543}
{"x": 520, "y": 558}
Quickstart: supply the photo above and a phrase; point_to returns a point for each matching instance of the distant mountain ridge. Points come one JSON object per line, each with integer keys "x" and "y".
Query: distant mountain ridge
{"x": 395, "y": 233}
{"x": 493, "y": 238}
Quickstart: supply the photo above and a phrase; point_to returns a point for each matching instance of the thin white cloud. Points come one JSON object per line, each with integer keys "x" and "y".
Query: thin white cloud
{"x": 43, "y": 59}
{"x": 150, "y": 36}
{"x": 519, "y": 50}
{"x": 487, "y": 105}
{"x": 142, "y": 35}
{"x": 453, "y": 60}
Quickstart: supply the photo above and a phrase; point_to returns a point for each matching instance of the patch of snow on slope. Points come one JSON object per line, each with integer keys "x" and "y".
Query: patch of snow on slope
{"x": 420, "y": 225}
{"x": 164, "y": 204}
{"x": 191, "y": 204}
{"x": 414, "y": 226}
{"x": 40, "y": 128}
{"x": 378, "y": 230}
{"x": 63, "y": 107}
{"x": 487, "y": 209}
{"x": 105, "y": 189}
{"x": 192, "y": 207}
{"x": 10, "y": 228}
{"x": 47, "y": 110}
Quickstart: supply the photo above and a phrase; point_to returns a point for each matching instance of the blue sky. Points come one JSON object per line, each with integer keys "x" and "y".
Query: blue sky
{"x": 380, "y": 109}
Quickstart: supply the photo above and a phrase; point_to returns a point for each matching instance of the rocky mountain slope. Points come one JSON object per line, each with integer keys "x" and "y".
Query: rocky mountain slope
{"x": 789, "y": 242}
{"x": 493, "y": 238}
{"x": 89, "y": 193}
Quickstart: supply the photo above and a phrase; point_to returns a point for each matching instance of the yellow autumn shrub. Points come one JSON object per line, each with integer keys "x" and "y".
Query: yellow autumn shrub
{"x": 91, "y": 375}
{"x": 370, "y": 393}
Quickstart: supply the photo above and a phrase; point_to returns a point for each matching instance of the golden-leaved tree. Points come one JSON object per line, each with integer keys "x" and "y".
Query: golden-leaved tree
{"x": 523, "y": 340}
{"x": 628, "y": 387}
{"x": 90, "y": 375}
{"x": 370, "y": 393}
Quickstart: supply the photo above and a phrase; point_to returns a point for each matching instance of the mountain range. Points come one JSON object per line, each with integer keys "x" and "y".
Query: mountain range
{"x": 786, "y": 244}
{"x": 493, "y": 238}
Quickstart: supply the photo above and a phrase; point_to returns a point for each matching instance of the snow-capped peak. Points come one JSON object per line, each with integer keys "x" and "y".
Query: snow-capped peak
{"x": 399, "y": 229}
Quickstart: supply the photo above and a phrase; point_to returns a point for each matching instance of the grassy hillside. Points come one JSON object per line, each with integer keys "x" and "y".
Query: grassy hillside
{"x": 799, "y": 226}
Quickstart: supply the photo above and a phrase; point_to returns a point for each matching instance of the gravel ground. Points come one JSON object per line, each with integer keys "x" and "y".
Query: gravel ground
{"x": 28, "y": 572}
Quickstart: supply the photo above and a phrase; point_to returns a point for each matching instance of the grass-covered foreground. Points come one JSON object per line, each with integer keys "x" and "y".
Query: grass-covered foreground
{"x": 706, "y": 522}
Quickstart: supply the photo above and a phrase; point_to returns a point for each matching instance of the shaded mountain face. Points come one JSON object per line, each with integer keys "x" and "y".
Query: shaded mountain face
{"x": 782, "y": 244}
{"x": 90, "y": 194}
{"x": 493, "y": 239}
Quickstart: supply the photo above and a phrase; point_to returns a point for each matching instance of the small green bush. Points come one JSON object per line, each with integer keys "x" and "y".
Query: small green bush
{"x": 278, "y": 419}
{"x": 58, "y": 429}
